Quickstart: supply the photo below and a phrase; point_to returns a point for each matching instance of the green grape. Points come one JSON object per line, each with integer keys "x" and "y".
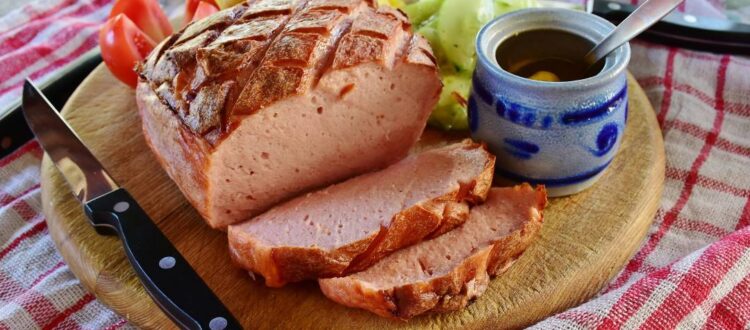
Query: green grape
{"x": 450, "y": 114}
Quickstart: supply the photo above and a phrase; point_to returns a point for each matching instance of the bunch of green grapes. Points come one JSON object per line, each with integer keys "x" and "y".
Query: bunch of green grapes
{"x": 451, "y": 26}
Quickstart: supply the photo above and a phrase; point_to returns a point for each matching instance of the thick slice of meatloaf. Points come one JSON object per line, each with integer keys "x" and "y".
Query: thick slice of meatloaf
{"x": 445, "y": 273}
{"x": 258, "y": 103}
{"x": 349, "y": 226}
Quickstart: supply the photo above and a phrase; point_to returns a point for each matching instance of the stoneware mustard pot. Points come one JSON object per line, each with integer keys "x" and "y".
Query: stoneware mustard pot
{"x": 561, "y": 134}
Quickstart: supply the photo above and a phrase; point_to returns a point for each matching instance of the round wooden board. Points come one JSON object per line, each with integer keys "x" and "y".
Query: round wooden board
{"x": 586, "y": 238}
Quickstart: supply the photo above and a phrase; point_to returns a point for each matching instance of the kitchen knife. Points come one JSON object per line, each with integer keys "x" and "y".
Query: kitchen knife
{"x": 165, "y": 274}
{"x": 685, "y": 30}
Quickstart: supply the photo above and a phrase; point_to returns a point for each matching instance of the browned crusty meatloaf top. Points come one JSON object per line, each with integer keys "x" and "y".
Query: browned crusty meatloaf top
{"x": 258, "y": 103}
{"x": 242, "y": 59}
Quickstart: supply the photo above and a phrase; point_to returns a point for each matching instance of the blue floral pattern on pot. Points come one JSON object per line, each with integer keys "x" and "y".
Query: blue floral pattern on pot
{"x": 561, "y": 134}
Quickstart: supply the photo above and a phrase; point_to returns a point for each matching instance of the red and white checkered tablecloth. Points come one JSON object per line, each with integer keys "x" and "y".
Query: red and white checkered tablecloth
{"x": 692, "y": 271}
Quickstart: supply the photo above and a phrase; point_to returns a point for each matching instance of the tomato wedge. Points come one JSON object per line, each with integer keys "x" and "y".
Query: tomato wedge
{"x": 123, "y": 45}
{"x": 191, "y": 6}
{"x": 147, "y": 15}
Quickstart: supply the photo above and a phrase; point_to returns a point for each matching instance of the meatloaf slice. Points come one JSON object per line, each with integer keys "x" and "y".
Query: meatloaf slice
{"x": 261, "y": 102}
{"x": 445, "y": 273}
{"x": 349, "y": 226}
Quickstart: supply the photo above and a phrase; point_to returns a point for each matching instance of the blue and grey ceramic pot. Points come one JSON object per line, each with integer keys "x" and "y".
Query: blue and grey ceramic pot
{"x": 560, "y": 134}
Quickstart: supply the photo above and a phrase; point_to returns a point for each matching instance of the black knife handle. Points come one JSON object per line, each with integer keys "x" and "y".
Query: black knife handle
{"x": 167, "y": 276}
{"x": 686, "y": 31}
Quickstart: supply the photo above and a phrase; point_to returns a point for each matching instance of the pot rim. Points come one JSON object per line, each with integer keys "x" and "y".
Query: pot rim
{"x": 488, "y": 41}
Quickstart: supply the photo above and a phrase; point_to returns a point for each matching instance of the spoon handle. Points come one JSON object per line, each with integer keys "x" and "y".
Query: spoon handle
{"x": 644, "y": 16}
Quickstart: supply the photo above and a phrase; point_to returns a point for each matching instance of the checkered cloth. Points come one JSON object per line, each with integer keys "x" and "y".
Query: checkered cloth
{"x": 36, "y": 287}
{"x": 39, "y": 38}
{"x": 692, "y": 271}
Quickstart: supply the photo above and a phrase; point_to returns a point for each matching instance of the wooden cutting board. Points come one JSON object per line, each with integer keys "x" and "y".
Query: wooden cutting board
{"x": 586, "y": 238}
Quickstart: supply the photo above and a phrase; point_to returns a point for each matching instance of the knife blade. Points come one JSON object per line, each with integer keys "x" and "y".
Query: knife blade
{"x": 163, "y": 271}
{"x": 685, "y": 30}
{"x": 14, "y": 131}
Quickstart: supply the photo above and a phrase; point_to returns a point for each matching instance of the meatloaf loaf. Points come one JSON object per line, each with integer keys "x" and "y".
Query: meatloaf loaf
{"x": 349, "y": 226}
{"x": 445, "y": 273}
{"x": 258, "y": 103}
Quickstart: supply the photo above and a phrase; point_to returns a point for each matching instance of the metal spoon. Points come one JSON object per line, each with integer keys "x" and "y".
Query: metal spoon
{"x": 644, "y": 16}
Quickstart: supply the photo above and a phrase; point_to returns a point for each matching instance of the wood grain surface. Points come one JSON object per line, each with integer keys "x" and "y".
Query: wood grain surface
{"x": 586, "y": 239}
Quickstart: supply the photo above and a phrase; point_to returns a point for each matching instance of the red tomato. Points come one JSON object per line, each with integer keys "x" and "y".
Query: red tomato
{"x": 147, "y": 15}
{"x": 123, "y": 45}
{"x": 204, "y": 10}
{"x": 191, "y": 6}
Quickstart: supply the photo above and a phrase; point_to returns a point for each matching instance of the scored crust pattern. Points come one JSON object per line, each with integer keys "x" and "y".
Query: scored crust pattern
{"x": 234, "y": 63}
